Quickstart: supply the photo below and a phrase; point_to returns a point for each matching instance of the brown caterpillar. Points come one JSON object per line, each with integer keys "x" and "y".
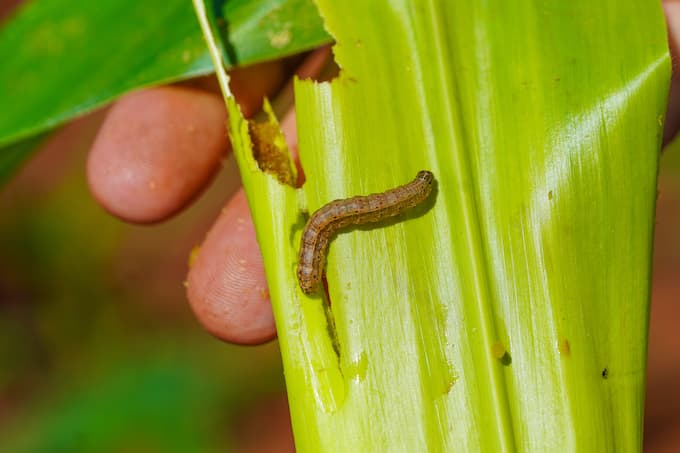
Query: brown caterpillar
{"x": 328, "y": 219}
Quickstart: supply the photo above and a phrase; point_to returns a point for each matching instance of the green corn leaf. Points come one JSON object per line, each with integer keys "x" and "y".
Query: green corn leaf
{"x": 62, "y": 59}
{"x": 510, "y": 312}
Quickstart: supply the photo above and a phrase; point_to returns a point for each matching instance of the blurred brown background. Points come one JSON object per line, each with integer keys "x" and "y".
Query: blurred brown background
{"x": 662, "y": 421}
{"x": 98, "y": 346}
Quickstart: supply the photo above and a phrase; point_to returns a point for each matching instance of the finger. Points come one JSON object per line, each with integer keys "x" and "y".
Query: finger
{"x": 159, "y": 148}
{"x": 226, "y": 285}
{"x": 251, "y": 84}
{"x": 227, "y": 288}
{"x": 155, "y": 152}
{"x": 248, "y": 84}
{"x": 318, "y": 65}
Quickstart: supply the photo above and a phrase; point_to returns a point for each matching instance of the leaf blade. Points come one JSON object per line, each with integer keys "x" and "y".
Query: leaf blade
{"x": 523, "y": 152}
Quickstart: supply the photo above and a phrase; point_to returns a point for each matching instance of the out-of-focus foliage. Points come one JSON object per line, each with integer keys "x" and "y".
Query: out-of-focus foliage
{"x": 98, "y": 348}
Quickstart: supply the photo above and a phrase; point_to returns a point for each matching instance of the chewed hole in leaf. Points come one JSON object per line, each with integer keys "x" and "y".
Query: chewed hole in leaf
{"x": 271, "y": 153}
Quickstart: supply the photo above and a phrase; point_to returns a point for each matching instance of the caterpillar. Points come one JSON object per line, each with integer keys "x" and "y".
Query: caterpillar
{"x": 359, "y": 210}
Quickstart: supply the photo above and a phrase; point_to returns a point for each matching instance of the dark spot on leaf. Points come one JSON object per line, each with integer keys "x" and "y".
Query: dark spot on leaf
{"x": 565, "y": 348}
{"x": 501, "y": 353}
{"x": 271, "y": 157}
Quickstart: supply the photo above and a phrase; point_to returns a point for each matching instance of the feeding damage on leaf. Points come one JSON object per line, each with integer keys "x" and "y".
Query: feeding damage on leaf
{"x": 269, "y": 148}
{"x": 270, "y": 157}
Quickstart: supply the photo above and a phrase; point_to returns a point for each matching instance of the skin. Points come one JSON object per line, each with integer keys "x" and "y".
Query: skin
{"x": 159, "y": 148}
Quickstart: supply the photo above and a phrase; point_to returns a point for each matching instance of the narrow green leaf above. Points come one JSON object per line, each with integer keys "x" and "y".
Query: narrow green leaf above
{"x": 62, "y": 59}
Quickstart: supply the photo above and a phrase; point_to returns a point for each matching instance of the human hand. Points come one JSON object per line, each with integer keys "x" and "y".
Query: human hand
{"x": 158, "y": 149}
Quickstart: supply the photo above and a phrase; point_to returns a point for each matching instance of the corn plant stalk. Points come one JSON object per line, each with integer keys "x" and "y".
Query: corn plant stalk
{"x": 511, "y": 312}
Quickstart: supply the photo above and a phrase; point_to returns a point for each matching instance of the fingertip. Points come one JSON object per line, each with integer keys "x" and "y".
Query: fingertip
{"x": 156, "y": 151}
{"x": 226, "y": 286}
{"x": 250, "y": 84}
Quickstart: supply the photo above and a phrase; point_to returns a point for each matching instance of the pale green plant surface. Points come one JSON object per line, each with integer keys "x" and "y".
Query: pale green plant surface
{"x": 510, "y": 312}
